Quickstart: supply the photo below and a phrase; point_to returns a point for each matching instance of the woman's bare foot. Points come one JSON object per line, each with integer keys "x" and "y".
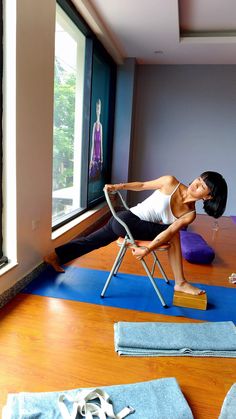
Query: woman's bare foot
{"x": 186, "y": 287}
{"x": 53, "y": 261}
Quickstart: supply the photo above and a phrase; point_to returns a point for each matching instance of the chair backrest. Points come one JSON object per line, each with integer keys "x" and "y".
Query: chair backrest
{"x": 128, "y": 232}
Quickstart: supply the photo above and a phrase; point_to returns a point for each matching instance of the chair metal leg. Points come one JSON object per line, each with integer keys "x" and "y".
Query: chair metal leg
{"x": 153, "y": 283}
{"x": 120, "y": 260}
{"x": 160, "y": 267}
{"x": 154, "y": 263}
{"x": 115, "y": 267}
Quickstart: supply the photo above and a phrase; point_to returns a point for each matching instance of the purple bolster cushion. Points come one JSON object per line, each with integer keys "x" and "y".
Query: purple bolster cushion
{"x": 195, "y": 249}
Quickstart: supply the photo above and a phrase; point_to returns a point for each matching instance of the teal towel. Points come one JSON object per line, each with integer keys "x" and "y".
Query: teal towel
{"x": 228, "y": 410}
{"x": 213, "y": 339}
{"x": 156, "y": 399}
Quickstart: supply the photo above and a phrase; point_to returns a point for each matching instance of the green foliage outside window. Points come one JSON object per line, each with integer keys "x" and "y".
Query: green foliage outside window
{"x": 64, "y": 118}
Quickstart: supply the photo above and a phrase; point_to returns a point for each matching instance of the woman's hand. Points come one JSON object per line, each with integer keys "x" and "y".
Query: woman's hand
{"x": 110, "y": 188}
{"x": 114, "y": 188}
{"x": 140, "y": 252}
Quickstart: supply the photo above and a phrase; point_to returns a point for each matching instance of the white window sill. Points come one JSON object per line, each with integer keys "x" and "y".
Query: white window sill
{"x": 62, "y": 230}
{"x": 8, "y": 267}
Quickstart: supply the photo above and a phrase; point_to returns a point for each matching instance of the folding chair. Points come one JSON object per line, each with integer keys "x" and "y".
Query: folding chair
{"x": 129, "y": 242}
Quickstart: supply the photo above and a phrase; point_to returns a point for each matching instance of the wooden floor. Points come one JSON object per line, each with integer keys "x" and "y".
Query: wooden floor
{"x": 49, "y": 344}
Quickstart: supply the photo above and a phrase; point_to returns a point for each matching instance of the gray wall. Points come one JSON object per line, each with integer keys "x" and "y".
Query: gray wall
{"x": 184, "y": 124}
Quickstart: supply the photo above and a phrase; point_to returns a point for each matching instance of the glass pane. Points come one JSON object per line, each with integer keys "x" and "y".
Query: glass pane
{"x": 1, "y": 107}
{"x": 68, "y": 108}
{"x": 99, "y": 123}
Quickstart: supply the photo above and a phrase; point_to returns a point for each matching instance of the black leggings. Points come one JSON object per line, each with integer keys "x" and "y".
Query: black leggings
{"x": 141, "y": 230}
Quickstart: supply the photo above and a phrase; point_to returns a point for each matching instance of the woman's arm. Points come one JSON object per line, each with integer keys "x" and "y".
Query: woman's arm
{"x": 142, "y": 186}
{"x": 165, "y": 236}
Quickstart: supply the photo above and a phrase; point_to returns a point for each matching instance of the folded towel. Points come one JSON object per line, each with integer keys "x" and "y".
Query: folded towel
{"x": 213, "y": 339}
{"x": 228, "y": 410}
{"x": 151, "y": 400}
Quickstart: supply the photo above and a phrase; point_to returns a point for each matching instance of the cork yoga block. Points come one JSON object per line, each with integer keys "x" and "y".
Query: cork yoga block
{"x": 182, "y": 299}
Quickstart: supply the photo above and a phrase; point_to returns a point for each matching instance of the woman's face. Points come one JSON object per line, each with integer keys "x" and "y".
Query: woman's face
{"x": 199, "y": 189}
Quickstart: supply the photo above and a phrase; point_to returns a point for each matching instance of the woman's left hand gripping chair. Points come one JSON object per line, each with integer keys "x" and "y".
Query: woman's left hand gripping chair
{"x": 128, "y": 242}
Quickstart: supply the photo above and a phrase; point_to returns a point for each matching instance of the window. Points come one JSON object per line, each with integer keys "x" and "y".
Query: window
{"x": 83, "y": 94}
{"x": 1, "y": 74}
{"x": 8, "y": 133}
{"x": 3, "y": 259}
{"x": 68, "y": 111}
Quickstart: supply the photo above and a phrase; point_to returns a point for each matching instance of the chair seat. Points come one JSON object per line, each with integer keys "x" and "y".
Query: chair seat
{"x": 142, "y": 243}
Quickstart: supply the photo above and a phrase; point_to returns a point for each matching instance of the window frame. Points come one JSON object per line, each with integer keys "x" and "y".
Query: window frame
{"x": 91, "y": 44}
{"x": 1, "y": 134}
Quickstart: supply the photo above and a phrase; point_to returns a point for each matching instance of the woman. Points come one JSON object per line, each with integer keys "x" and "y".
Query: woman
{"x": 158, "y": 218}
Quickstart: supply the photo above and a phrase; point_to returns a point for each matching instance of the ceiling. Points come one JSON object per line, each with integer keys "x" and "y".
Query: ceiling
{"x": 165, "y": 31}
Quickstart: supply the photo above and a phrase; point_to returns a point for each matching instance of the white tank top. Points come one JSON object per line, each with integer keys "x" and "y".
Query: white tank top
{"x": 156, "y": 208}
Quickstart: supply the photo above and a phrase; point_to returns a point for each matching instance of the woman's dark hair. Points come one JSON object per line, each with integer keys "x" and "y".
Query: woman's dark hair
{"x": 215, "y": 206}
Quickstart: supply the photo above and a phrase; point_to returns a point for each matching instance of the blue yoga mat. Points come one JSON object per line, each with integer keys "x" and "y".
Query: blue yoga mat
{"x": 130, "y": 291}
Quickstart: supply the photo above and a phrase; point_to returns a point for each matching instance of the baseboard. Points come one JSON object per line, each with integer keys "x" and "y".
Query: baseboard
{"x": 10, "y": 293}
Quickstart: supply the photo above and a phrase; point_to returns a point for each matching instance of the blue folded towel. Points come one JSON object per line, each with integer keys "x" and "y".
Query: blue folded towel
{"x": 228, "y": 410}
{"x": 213, "y": 339}
{"x": 156, "y": 399}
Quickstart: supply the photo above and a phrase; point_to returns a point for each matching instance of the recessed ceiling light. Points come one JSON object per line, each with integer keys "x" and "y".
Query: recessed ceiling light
{"x": 158, "y": 52}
